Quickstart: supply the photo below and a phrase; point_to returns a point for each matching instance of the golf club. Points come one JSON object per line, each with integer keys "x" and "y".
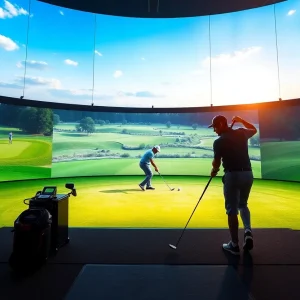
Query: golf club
{"x": 166, "y": 183}
{"x": 175, "y": 246}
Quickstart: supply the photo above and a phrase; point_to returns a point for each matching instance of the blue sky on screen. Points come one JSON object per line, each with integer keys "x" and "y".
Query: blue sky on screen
{"x": 145, "y": 62}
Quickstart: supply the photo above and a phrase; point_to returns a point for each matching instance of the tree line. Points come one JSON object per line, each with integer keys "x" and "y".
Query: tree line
{"x": 187, "y": 119}
{"x": 31, "y": 120}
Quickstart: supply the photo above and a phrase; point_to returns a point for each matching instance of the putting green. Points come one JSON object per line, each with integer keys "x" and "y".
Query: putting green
{"x": 26, "y": 152}
{"x": 28, "y": 157}
{"x": 117, "y": 201}
{"x": 12, "y": 150}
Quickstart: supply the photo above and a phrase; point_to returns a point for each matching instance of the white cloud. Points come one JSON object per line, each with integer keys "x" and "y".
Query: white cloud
{"x": 226, "y": 58}
{"x": 52, "y": 83}
{"x": 40, "y": 81}
{"x": 7, "y": 44}
{"x": 84, "y": 95}
{"x": 198, "y": 72}
{"x": 71, "y": 62}
{"x": 61, "y": 12}
{"x": 166, "y": 83}
{"x": 11, "y": 11}
{"x": 291, "y": 12}
{"x": 38, "y": 65}
{"x": 98, "y": 53}
{"x": 10, "y": 85}
{"x": 143, "y": 58}
{"x": 118, "y": 74}
{"x": 140, "y": 94}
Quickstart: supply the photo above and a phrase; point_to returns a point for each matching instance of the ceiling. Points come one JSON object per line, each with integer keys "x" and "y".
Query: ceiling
{"x": 161, "y": 8}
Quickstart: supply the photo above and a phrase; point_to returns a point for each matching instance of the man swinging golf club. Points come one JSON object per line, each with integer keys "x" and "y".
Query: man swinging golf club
{"x": 145, "y": 161}
{"x": 232, "y": 148}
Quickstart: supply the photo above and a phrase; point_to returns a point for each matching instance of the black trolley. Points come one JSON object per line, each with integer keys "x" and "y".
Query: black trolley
{"x": 58, "y": 207}
{"x": 32, "y": 239}
{"x": 41, "y": 229}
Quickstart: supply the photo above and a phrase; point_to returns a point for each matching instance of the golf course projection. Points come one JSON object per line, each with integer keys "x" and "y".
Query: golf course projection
{"x": 100, "y": 151}
{"x": 87, "y": 144}
{"x": 25, "y": 142}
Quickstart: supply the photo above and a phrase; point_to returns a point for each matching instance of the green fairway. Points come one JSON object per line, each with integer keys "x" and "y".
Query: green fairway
{"x": 8, "y": 173}
{"x": 115, "y": 149}
{"x": 281, "y": 160}
{"x": 127, "y": 166}
{"x": 134, "y": 128}
{"x": 29, "y": 156}
{"x": 117, "y": 201}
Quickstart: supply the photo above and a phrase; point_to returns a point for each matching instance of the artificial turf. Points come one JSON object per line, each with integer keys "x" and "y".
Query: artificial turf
{"x": 117, "y": 202}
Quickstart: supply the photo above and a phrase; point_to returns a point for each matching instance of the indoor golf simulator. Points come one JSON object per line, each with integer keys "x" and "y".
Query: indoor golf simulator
{"x": 103, "y": 163}
{"x": 149, "y": 150}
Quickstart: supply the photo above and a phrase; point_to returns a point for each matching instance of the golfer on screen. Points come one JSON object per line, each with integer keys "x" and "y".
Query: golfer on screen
{"x": 145, "y": 161}
{"x": 10, "y": 136}
{"x": 232, "y": 148}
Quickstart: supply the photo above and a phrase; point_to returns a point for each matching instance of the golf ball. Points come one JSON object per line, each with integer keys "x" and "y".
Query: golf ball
{"x": 178, "y": 189}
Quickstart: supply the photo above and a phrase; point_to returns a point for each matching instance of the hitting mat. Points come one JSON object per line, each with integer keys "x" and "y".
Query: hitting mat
{"x": 157, "y": 282}
{"x": 147, "y": 246}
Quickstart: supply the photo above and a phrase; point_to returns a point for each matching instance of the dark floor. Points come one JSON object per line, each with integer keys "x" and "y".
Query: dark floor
{"x": 271, "y": 272}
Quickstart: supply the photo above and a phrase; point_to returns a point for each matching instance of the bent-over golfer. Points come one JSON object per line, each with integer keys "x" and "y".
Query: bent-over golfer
{"x": 145, "y": 161}
{"x": 232, "y": 148}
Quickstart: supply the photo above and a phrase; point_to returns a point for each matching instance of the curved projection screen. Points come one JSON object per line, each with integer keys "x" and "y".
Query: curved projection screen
{"x": 77, "y": 57}
{"x": 51, "y": 143}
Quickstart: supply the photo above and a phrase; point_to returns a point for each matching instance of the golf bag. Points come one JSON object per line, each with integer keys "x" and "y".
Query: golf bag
{"x": 32, "y": 239}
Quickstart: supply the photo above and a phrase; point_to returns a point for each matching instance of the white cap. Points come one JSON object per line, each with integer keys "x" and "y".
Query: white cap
{"x": 157, "y": 148}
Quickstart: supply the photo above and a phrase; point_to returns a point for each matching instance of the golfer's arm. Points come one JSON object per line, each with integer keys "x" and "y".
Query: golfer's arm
{"x": 249, "y": 126}
{"x": 216, "y": 163}
{"x": 153, "y": 164}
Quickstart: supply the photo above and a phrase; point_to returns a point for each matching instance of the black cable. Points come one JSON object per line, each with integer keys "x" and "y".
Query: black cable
{"x": 26, "y": 50}
{"x": 210, "y": 73}
{"x": 276, "y": 39}
{"x": 95, "y": 30}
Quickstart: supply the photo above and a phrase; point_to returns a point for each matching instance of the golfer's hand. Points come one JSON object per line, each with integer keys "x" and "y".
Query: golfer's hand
{"x": 213, "y": 173}
{"x": 237, "y": 119}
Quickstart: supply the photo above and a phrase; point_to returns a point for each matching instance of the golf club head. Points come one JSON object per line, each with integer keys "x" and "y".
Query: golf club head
{"x": 172, "y": 246}
{"x": 173, "y": 189}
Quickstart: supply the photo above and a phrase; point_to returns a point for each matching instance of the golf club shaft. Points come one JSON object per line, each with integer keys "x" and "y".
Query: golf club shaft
{"x": 174, "y": 247}
{"x": 193, "y": 211}
{"x": 164, "y": 181}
